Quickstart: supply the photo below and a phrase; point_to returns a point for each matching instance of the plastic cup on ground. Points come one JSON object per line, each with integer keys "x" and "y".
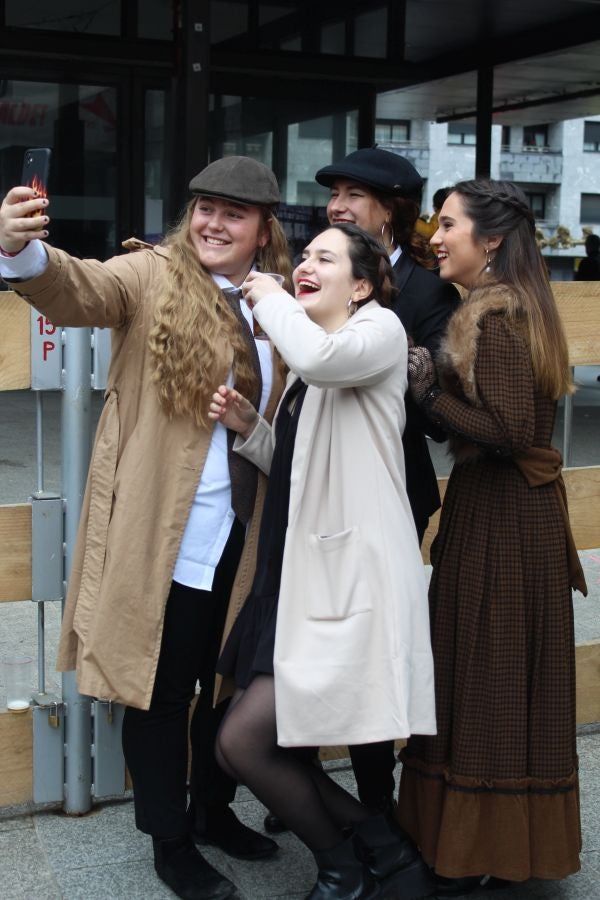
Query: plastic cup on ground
{"x": 18, "y": 676}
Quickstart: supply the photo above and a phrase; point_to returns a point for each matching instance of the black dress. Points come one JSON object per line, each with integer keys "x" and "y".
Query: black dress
{"x": 249, "y": 647}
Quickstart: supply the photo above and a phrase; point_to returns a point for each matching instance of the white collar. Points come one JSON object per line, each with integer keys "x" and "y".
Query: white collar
{"x": 224, "y": 283}
{"x": 395, "y": 256}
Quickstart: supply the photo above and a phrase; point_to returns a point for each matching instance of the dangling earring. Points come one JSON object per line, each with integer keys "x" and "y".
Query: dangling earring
{"x": 385, "y": 243}
{"x": 351, "y": 306}
{"x": 488, "y": 261}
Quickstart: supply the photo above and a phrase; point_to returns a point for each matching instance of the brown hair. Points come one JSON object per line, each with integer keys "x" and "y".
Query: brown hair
{"x": 369, "y": 260}
{"x": 405, "y": 212}
{"x": 500, "y": 208}
{"x": 194, "y": 327}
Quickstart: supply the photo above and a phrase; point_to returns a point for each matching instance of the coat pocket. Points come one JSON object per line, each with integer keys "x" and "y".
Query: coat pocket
{"x": 337, "y": 584}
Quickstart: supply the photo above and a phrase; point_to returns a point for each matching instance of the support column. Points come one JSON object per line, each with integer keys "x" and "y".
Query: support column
{"x": 76, "y": 402}
{"x": 366, "y": 118}
{"x": 189, "y": 124}
{"x": 485, "y": 97}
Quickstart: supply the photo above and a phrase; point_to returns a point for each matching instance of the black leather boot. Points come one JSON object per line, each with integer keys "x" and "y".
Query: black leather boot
{"x": 187, "y": 873}
{"x": 392, "y": 858}
{"x": 460, "y": 887}
{"x": 274, "y": 825}
{"x": 221, "y": 827}
{"x": 342, "y": 876}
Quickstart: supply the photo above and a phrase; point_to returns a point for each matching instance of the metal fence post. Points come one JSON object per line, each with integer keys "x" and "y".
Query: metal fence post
{"x": 76, "y": 419}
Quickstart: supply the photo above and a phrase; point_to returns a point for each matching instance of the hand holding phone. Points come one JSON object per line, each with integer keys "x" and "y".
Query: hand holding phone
{"x": 36, "y": 169}
{"x": 23, "y": 216}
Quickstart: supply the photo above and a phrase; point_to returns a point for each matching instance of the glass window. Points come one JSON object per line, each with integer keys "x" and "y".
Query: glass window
{"x": 270, "y": 12}
{"x": 83, "y": 16}
{"x": 505, "y": 139}
{"x": 333, "y": 38}
{"x": 228, "y": 19}
{"x": 590, "y": 209}
{"x": 293, "y": 44}
{"x": 591, "y": 137}
{"x": 79, "y": 123}
{"x": 461, "y": 133}
{"x": 230, "y": 118}
{"x": 280, "y": 26}
{"x": 370, "y": 33}
{"x": 390, "y": 131}
{"x": 537, "y": 202}
{"x": 155, "y": 189}
{"x": 155, "y": 20}
{"x": 535, "y": 137}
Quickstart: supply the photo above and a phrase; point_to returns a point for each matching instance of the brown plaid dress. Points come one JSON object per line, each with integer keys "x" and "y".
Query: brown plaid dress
{"x": 496, "y": 791}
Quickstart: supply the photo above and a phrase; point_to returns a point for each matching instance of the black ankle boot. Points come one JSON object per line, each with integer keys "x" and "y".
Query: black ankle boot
{"x": 392, "y": 858}
{"x": 342, "y": 876}
{"x": 221, "y": 827}
{"x": 187, "y": 873}
{"x": 460, "y": 887}
{"x": 274, "y": 825}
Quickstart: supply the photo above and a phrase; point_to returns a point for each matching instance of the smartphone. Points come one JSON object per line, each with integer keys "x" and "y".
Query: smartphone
{"x": 36, "y": 169}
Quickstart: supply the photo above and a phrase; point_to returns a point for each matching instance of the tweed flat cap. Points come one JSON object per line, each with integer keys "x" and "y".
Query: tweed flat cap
{"x": 386, "y": 172}
{"x": 238, "y": 178}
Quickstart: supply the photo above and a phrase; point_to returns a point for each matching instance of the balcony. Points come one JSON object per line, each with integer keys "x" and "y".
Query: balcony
{"x": 535, "y": 165}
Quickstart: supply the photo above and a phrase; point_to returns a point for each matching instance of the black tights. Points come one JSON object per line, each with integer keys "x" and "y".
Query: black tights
{"x": 285, "y": 780}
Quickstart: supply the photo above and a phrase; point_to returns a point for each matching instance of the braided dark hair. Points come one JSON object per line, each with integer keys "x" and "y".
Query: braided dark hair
{"x": 500, "y": 209}
{"x": 496, "y": 207}
{"x": 369, "y": 260}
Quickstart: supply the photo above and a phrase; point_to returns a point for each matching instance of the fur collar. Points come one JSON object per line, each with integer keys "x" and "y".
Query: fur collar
{"x": 458, "y": 349}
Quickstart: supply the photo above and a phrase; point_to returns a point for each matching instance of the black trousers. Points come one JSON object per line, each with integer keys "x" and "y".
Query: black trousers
{"x": 374, "y": 764}
{"x": 155, "y": 742}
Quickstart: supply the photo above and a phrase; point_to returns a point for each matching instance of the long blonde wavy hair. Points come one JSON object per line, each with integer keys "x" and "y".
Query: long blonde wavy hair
{"x": 195, "y": 329}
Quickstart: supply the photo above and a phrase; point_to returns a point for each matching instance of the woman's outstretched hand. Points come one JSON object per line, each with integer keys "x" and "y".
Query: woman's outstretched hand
{"x": 20, "y": 219}
{"x": 232, "y": 409}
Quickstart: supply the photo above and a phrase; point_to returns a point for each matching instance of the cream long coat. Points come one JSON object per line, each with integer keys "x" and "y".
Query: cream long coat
{"x": 353, "y": 659}
{"x": 141, "y": 483}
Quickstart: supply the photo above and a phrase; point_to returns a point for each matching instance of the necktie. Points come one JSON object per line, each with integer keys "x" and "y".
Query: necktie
{"x": 242, "y": 473}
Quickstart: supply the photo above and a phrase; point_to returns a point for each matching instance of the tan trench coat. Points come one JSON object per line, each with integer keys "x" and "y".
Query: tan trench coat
{"x": 353, "y": 660}
{"x": 141, "y": 483}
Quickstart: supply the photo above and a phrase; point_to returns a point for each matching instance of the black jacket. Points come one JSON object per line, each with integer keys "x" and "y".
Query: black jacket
{"x": 423, "y": 303}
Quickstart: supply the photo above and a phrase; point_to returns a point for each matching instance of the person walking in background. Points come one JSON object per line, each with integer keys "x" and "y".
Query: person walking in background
{"x": 169, "y": 526}
{"x": 332, "y": 644}
{"x": 495, "y": 793}
{"x": 428, "y": 228}
{"x": 589, "y": 268}
{"x": 381, "y": 192}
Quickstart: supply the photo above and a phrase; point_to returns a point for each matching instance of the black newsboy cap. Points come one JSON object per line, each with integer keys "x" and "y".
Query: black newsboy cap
{"x": 384, "y": 171}
{"x": 238, "y": 178}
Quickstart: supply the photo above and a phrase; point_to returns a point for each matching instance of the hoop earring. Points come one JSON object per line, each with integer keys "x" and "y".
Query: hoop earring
{"x": 385, "y": 243}
{"x": 351, "y": 306}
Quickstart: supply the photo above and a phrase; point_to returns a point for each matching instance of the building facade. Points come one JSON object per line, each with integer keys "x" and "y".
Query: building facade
{"x": 557, "y": 165}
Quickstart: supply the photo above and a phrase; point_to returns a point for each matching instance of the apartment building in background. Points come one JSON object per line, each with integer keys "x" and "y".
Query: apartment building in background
{"x": 556, "y": 164}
